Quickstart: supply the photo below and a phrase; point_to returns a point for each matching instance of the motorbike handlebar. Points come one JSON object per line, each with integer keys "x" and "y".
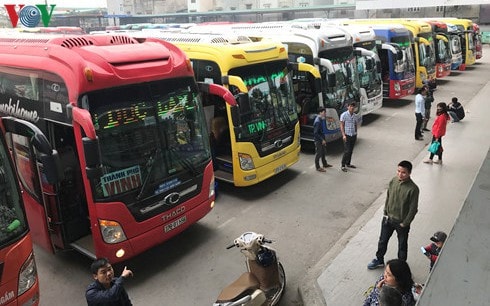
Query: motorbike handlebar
{"x": 267, "y": 240}
{"x": 230, "y": 246}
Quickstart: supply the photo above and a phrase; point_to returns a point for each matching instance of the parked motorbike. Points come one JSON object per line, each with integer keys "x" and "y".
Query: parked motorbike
{"x": 263, "y": 283}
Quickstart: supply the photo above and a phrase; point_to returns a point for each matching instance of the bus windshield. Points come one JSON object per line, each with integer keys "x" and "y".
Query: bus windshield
{"x": 12, "y": 216}
{"x": 368, "y": 79}
{"x": 443, "y": 52}
{"x": 346, "y": 88}
{"x": 147, "y": 133}
{"x": 271, "y": 98}
{"x": 455, "y": 44}
{"x": 408, "y": 59}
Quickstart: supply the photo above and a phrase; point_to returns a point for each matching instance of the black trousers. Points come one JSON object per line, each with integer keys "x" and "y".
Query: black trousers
{"x": 320, "y": 151}
{"x": 349, "y": 143}
{"x": 439, "y": 153}
{"x": 418, "y": 126}
{"x": 387, "y": 229}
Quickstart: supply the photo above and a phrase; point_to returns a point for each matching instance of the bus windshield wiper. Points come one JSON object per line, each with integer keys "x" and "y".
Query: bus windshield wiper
{"x": 184, "y": 163}
{"x": 149, "y": 165}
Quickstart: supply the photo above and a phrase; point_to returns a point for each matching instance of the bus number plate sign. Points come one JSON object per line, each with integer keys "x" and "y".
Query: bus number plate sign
{"x": 280, "y": 168}
{"x": 175, "y": 224}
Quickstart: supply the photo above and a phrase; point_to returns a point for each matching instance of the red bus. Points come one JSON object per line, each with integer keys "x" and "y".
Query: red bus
{"x": 19, "y": 281}
{"x": 478, "y": 42}
{"x": 127, "y": 122}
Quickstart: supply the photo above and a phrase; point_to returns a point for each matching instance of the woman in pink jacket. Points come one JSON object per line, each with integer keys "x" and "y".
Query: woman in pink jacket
{"x": 439, "y": 130}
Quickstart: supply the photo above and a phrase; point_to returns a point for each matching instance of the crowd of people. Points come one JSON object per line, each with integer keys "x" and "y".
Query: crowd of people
{"x": 396, "y": 287}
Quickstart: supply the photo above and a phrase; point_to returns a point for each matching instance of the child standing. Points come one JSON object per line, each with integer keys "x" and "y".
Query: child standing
{"x": 432, "y": 250}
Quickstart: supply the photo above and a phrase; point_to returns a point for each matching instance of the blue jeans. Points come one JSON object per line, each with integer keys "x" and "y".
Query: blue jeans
{"x": 453, "y": 116}
{"x": 387, "y": 229}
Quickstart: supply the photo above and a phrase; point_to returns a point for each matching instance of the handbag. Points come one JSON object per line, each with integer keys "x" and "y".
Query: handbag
{"x": 434, "y": 147}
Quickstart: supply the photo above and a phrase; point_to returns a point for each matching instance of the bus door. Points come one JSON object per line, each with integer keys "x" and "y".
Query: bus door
{"x": 38, "y": 169}
{"x": 67, "y": 202}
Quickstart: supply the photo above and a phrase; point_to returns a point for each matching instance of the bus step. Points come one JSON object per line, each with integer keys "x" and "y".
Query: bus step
{"x": 224, "y": 158}
{"x": 85, "y": 245}
{"x": 224, "y": 176}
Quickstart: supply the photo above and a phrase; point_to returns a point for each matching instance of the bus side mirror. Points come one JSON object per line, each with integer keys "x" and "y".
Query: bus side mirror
{"x": 317, "y": 85}
{"x": 369, "y": 63}
{"x": 331, "y": 79}
{"x": 91, "y": 150}
{"x": 235, "y": 116}
{"x": 51, "y": 167}
{"x": 399, "y": 56}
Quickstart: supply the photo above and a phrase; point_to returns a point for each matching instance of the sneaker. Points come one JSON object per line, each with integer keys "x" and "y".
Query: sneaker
{"x": 438, "y": 162}
{"x": 343, "y": 168}
{"x": 327, "y": 166}
{"x": 428, "y": 161}
{"x": 351, "y": 166}
{"x": 321, "y": 170}
{"x": 426, "y": 129}
{"x": 375, "y": 263}
{"x": 419, "y": 138}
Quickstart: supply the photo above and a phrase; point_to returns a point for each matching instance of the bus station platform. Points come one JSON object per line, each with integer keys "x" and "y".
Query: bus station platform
{"x": 454, "y": 198}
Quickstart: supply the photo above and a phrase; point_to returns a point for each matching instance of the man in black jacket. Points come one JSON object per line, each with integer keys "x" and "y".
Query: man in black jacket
{"x": 320, "y": 142}
{"x": 455, "y": 110}
{"x": 107, "y": 290}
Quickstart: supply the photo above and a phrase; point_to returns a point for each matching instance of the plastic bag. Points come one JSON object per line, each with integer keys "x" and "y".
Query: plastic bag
{"x": 434, "y": 147}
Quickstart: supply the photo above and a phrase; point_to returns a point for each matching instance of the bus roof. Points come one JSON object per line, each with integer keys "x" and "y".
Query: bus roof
{"x": 93, "y": 62}
{"x": 326, "y": 38}
{"x": 228, "y": 50}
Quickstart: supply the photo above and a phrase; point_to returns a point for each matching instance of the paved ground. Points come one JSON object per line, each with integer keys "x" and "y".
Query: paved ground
{"x": 341, "y": 277}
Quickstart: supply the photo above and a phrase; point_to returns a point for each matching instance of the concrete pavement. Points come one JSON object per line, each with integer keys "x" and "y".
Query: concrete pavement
{"x": 341, "y": 276}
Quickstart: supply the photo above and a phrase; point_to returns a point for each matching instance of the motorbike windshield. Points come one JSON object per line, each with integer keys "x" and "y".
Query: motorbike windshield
{"x": 147, "y": 133}
{"x": 13, "y": 222}
{"x": 272, "y": 107}
{"x": 346, "y": 88}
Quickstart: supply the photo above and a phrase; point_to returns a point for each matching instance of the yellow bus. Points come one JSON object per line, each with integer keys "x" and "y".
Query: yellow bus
{"x": 467, "y": 35}
{"x": 260, "y": 136}
{"x": 423, "y": 47}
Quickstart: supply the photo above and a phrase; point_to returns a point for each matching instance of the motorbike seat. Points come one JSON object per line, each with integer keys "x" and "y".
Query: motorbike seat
{"x": 245, "y": 284}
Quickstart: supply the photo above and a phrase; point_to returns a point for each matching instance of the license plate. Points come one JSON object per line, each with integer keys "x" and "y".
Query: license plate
{"x": 175, "y": 224}
{"x": 280, "y": 168}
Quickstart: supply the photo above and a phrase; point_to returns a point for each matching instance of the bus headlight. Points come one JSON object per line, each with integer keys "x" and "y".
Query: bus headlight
{"x": 111, "y": 231}
{"x": 211, "y": 187}
{"x": 396, "y": 86}
{"x": 246, "y": 162}
{"x": 27, "y": 275}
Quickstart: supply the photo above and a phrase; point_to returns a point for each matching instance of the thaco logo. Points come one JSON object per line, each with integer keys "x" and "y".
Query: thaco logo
{"x": 29, "y": 15}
